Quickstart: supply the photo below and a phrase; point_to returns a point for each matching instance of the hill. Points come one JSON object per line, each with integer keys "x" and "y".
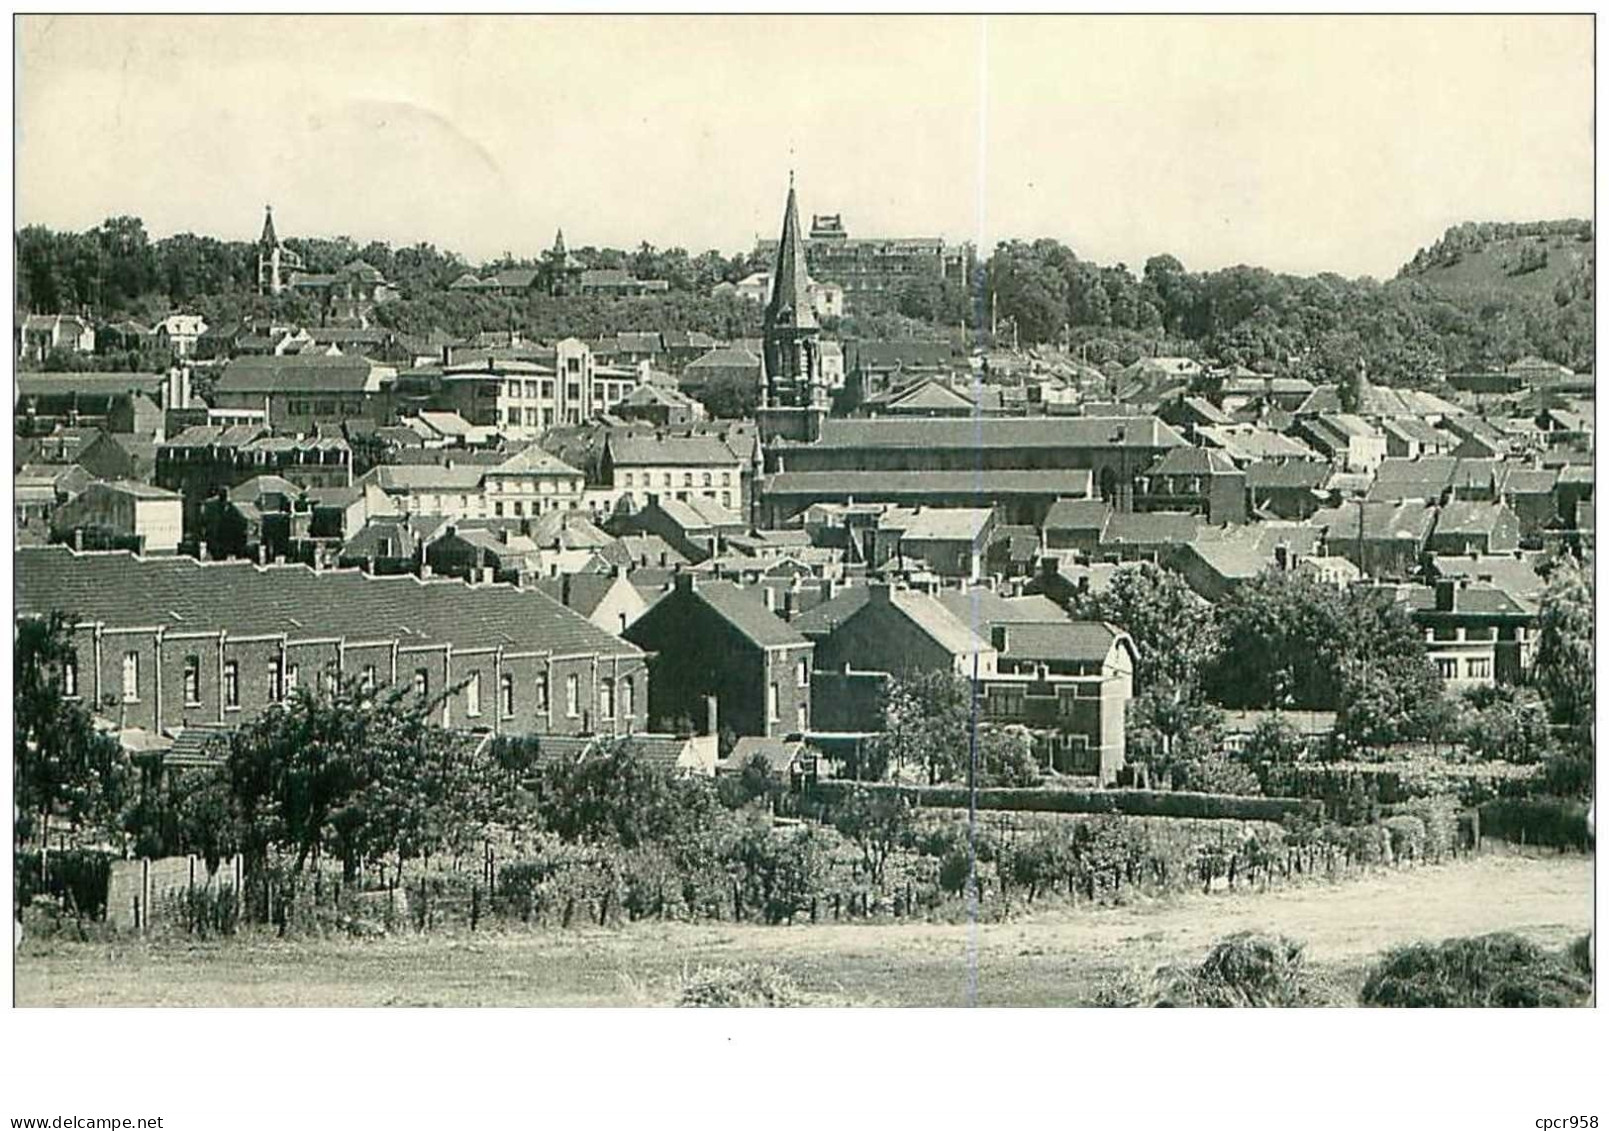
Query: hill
{"x": 1552, "y": 259}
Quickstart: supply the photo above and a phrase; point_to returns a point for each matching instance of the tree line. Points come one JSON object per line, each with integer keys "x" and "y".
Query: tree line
{"x": 1409, "y": 331}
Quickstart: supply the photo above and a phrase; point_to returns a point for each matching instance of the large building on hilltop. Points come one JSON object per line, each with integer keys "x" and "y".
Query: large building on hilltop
{"x": 868, "y": 268}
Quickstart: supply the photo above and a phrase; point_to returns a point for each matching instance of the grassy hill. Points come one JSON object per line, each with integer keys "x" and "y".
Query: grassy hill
{"x": 1546, "y": 259}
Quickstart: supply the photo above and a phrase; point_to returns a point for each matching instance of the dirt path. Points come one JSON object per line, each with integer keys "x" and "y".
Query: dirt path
{"x": 1049, "y": 958}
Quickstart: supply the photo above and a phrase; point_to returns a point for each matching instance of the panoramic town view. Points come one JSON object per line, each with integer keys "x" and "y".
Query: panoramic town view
{"x": 528, "y": 587}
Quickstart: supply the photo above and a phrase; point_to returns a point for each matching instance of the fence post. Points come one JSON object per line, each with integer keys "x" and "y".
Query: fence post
{"x": 145, "y": 893}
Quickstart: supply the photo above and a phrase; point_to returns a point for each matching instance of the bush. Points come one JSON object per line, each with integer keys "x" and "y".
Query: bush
{"x": 1581, "y": 954}
{"x": 1407, "y": 837}
{"x": 1499, "y": 969}
{"x": 1244, "y": 970}
{"x": 741, "y": 987}
{"x": 1556, "y": 822}
{"x": 78, "y": 877}
{"x": 1439, "y": 816}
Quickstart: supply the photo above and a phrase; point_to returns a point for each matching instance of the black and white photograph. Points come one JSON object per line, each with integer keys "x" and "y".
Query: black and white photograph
{"x": 803, "y": 511}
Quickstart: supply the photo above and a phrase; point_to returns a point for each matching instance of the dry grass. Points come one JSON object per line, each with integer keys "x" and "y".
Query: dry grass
{"x": 1056, "y": 957}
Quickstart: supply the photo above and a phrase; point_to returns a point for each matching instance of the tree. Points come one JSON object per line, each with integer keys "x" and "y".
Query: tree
{"x": 1564, "y": 671}
{"x": 1006, "y": 757}
{"x": 1508, "y": 723}
{"x": 728, "y": 396}
{"x": 62, "y": 767}
{"x": 877, "y": 822}
{"x": 1273, "y": 742}
{"x": 1175, "y": 632}
{"x": 1170, "y": 724}
{"x": 927, "y": 726}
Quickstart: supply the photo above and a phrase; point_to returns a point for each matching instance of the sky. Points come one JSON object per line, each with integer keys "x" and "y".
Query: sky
{"x": 1301, "y": 144}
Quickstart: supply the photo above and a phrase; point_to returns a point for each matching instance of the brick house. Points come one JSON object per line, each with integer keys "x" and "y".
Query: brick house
{"x": 712, "y": 639}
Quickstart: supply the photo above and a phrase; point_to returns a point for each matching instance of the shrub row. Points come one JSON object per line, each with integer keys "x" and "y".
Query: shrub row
{"x": 1117, "y": 802}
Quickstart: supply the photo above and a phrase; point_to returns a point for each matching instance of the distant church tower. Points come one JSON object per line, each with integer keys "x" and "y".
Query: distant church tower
{"x": 793, "y": 398}
{"x": 270, "y": 257}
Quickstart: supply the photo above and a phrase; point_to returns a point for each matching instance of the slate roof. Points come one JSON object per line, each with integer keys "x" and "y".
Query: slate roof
{"x": 533, "y": 461}
{"x": 1153, "y": 528}
{"x": 747, "y": 613}
{"x": 88, "y": 384}
{"x": 984, "y": 608}
{"x": 1078, "y": 514}
{"x": 1000, "y": 432}
{"x": 926, "y": 484}
{"x": 1406, "y": 520}
{"x": 245, "y": 599}
{"x": 1192, "y": 461}
{"x": 1461, "y": 516}
{"x": 943, "y": 524}
{"x": 1076, "y": 641}
{"x": 647, "y": 449}
{"x": 1513, "y": 574}
{"x": 1296, "y": 474}
{"x": 425, "y": 477}
{"x": 1249, "y": 442}
{"x": 660, "y": 749}
{"x": 265, "y": 375}
{"x": 586, "y": 591}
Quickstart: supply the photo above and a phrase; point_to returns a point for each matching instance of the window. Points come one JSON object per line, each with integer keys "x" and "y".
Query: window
{"x": 472, "y": 695}
{"x": 628, "y": 697}
{"x": 506, "y": 691}
{"x": 606, "y": 698}
{"x": 331, "y": 681}
{"x": 276, "y": 679}
{"x": 687, "y": 479}
{"x": 369, "y": 680}
{"x": 804, "y": 673}
{"x": 131, "y": 677}
{"x": 192, "y": 681}
{"x": 804, "y": 718}
{"x": 69, "y": 677}
{"x": 726, "y": 498}
{"x": 231, "y": 684}
{"x": 771, "y": 699}
{"x": 497, "y": 509}
{"x": 292, "y": 676}
{"x": 726, "y": 479}
{"x": 1480, "y": 667}
{"x": 421, "y": 683}
{"x": 1447, "y": 668}
{"x": 1006, "y": 702}
{"x": 572, "y": 695}
{"x": 708, "y": 479}
{"x": 542, "y": 693}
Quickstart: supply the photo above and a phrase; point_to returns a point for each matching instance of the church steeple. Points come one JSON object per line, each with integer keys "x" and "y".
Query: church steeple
{"x": 269, "y": 238}
{"x": 558, "y": 244}
{"x": 793, "y": 381}
{"x": 790, "y": 303}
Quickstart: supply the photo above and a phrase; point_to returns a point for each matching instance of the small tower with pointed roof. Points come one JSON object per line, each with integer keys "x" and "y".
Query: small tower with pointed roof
{"x": 275, "y": 261}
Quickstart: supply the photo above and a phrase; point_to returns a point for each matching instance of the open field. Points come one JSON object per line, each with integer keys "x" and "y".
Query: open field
{"x": 1051, "y": 958}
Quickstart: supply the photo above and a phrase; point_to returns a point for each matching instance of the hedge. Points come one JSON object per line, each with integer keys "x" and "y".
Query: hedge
{"x": 1557, "y": 822}
{"x": 1124, "y": 802}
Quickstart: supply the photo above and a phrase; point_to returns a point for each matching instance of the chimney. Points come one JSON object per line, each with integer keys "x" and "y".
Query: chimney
{"x": 683, "y": 581}
{"x": 1446, "y": 595}
{"x": 829, "y": 588}
{"x": 564, "y": 591}
{"x": 712, "y": 715}
{"x": 998, "y": 637}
